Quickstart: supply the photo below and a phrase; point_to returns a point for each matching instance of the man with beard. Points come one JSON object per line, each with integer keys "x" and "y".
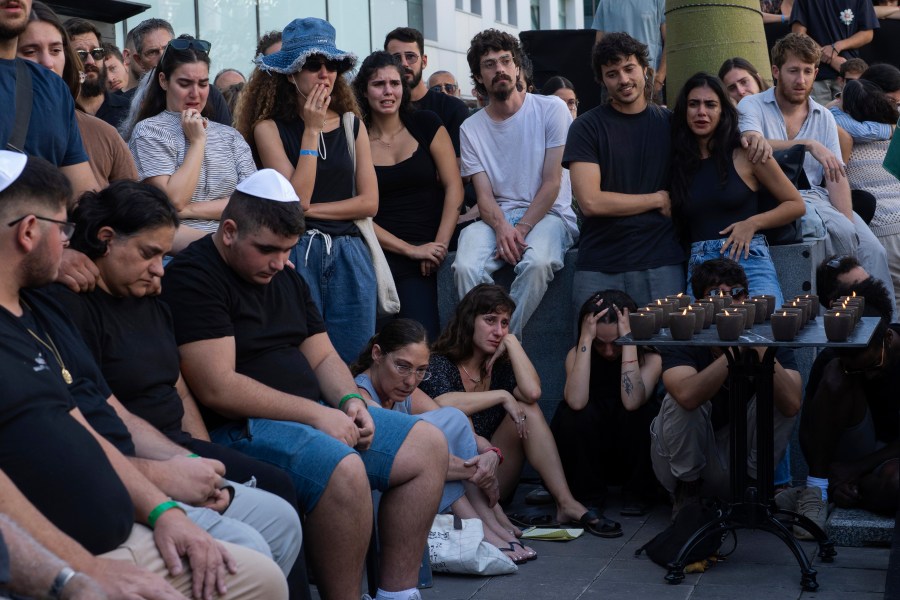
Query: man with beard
{"x": 512, "y": 151}
{"x": 407, "y": 45}
{"x": 150, "y": 39}
{"x": 94, "y": 98}
{"x": 51, "y": 132}
{"x": 848, "y": 428}
{"x": 618, "y": 158}
{"x": 786, "y": 115}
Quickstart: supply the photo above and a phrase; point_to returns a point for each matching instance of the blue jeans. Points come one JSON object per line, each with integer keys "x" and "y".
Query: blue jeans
{"x": 310, "y": 456}
{"x": 758, "y": 266}
{"x": 341, "y": 280}
{"x": 476, "y": 262}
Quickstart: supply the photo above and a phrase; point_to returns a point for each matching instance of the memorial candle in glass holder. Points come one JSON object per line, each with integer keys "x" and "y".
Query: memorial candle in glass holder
{"x": 807, "y": 305}
{"x": 796, "y": 311}
{"x": 710, "y": 315}
{"x": 681, "y": 324}
{"x": 838, "y": 324}
{"x": 642, "y": 325}
{"x": 770, "y": 302}
{"x": 729, "y": 324}
{"x": 784, "y": 325}
{"x": 657, "y": 315}
{"x": 667, "y": 308}
{"x": 750, "y": 309}
{"x": 718, "y": 303}
{"x": 699, "y": 316}
{"x": 762, "y": 309}
{"x": 815, "y": 302}
{"x": 680, "y": 298}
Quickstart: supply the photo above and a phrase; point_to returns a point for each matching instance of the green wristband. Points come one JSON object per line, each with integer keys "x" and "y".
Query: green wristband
{"x": 157, "y": 512}
{"x": 348, "y": 397}
{"x": 192, "y": 455}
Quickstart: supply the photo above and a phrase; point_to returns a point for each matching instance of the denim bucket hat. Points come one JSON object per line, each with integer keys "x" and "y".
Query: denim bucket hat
{"x": 301, "y": 39}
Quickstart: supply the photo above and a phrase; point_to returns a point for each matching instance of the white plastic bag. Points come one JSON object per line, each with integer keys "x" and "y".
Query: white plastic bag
{"x": 457, "y": 546}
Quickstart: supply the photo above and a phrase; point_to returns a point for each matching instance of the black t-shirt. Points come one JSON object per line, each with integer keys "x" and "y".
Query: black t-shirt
{"x": 880, "y": 391}
{"x": 410, "y": 197}
{"x": 123, "y": 333}
{"x": 268, "y": 322}
{"x": 825, "y": 23}
{"x": 114, "y": 109}
{"x": 699, "y": 358}
{"x": 450, "y": 109}
{"x": 50, "y": 457}
{"x": 633, "y": 154}
{"x": 334, "y": 170}
{"x": 711, "y": 207}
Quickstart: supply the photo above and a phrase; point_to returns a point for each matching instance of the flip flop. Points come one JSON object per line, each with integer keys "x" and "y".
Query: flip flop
{"x": 511, "y": 554}
{"x": 532, "y": 520}
{"x": 597, "y": 525}
{"x": 532, "y": 555}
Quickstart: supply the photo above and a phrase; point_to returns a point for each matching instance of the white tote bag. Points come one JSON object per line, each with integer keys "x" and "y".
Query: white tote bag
{"x": 457, "y": 546}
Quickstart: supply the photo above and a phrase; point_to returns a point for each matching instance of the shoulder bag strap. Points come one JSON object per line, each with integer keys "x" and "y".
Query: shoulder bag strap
{"x": 24, "y": 98}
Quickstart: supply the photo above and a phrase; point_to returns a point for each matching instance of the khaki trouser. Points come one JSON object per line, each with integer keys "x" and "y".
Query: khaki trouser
{"x": 258, "y": 577}
{"x": 684, "y": 446}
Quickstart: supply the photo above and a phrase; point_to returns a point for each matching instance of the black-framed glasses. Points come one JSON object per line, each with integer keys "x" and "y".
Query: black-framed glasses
{"x": 315, "y": 65}
{"x": 870, "y": 368}
{"x": 97, "y": 54}
{"x": 449, "y": 88}
{"x": 65, "y": 227}
{"x": 411, "y": 57}
{"x": 735, "y": 292}
{"x": 189, "y": 44}
{"x": 422, "y": 373}
{"x": 835, "y": 263}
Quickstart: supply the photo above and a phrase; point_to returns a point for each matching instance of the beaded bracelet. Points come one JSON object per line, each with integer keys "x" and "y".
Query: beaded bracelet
{"x": 348, "y": 397}
{"x": 157, "y": 512}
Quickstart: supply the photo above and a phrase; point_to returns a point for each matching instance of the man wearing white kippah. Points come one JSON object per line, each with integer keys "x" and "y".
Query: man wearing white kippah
{"x": 255, "y": 353}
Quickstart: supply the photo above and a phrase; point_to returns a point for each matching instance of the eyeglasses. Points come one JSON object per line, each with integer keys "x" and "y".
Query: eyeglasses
{"x": 835, "y": 263}
{"x": 491, "y": 63}
{"x": 422, "y": 373}
{"x": 573, "y": 103}
{"x": 314, "y": 66}
{"x": 97, "y": 54}
{"x": 411, "y": 57}
{"x": 450, "y": 88}
{"x": 869, "y": 368}
{"x": 734, "y": 292}
{"x": 65, "y": 228}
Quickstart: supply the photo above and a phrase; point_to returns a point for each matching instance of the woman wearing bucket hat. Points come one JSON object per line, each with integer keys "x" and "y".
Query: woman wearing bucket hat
{"x": 291, "y": 114}
{"x": 195, "y": 161}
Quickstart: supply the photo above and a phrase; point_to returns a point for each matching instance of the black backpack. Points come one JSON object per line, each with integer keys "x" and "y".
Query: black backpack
{"x": 664, "y": 547}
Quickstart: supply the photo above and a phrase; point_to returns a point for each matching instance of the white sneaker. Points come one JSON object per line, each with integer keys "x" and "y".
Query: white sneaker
{"x": 787, "y": 499}
{"x": 811, "y": 505}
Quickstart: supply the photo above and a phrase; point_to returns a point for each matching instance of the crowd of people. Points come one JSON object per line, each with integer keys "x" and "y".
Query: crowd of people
{"x": 220, "y": 305}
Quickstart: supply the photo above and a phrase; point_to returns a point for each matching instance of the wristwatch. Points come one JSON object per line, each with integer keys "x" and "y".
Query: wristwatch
{"x": 64, "y": 576}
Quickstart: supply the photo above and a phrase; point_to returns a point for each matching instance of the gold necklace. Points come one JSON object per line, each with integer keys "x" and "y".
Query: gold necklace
{"x": 378, "y": 139}
{"x": 51, "y": 347}
{"x": 472, "y": 379}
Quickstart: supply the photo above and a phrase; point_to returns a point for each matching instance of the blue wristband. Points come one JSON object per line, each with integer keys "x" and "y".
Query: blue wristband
{"x": 309, "y": 152}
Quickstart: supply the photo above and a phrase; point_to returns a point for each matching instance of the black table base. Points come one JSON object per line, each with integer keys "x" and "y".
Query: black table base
{"x": 752, "y": 505}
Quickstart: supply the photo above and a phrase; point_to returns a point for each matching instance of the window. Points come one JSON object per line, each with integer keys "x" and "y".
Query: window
{"x": 232, "y": 47}
{"x": 536, "y": 14}
{"x": 415, "y": 15}
{"x": 511, "y": 16}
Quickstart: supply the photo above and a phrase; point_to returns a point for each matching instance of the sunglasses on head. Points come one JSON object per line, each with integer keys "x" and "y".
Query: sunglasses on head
{"x": 835, "y": 263}
{"x": 450, "y": 88}
{"x": 734, "y": 292}
{"x": 189, "y": 44}
{"x": 314, "y": 65}
{"x": 97, "y": 54}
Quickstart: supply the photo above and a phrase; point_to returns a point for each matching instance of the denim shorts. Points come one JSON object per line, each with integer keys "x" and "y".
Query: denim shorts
{"x": 310, "y": 456}
{"x": 758, "y": 266}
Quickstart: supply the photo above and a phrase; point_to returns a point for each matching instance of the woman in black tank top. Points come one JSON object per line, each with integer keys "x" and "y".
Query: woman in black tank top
{"x": 714, "y": 187}
{"x": 292, "y": 115}
{"x": 419, "y": 187}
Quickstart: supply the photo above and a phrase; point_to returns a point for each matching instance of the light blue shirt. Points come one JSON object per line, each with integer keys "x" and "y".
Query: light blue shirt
{"x": 866, "y": 131}
{"x": 761, "y": 113}
{"x": 641, "y": 19}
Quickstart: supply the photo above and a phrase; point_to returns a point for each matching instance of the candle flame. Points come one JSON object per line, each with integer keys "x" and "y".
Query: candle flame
{"x": 659, "y": 302}
{"x": 853, "y": 295}
{"x": 680, "y": 294}
{"x": 837, "y": 314}
{"x": 726, "y": 312}
{"x": 784, "y": 314}
{"x": 685, "y": 312}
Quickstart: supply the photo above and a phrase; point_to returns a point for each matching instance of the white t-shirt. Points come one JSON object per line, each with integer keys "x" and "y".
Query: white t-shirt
{"x": 511, "y": 152}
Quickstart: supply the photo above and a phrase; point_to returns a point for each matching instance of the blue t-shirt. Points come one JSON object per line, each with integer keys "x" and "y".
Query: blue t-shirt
{"x": 52, "y": 131}
{"x": 641, "y": 19}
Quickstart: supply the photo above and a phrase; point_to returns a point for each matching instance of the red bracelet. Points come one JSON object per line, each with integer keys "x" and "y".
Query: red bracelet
{"x": 497, "y": 450}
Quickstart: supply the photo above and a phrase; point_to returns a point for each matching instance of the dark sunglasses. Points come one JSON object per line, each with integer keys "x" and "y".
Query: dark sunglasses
{"x": 835, "y": 263}
{"x": 450, "y": 88}
{"x": 189, "y": 44}
{"x": 734, "y": 293}
{"x": 97, "y": 54}
{"x": 314, "y": 66}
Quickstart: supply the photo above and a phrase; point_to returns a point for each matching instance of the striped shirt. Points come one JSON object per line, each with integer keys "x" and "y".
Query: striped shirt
{"x": 158, "y": 146}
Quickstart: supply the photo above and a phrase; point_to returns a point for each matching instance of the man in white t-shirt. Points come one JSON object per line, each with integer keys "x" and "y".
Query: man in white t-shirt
{"x": 513, "y": 150}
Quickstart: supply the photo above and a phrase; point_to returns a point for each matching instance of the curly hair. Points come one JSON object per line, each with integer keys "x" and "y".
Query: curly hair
{"x": 456, "y": 341}
{"x": 715, "y": 272}
{"x": 614, "y": 48}
{"x": 886, "y": 76}
{"x": 686, "y": 161}
{"x": 865, "y": 101}
{"x": 487, "y": 41}
{"x": 267, "y": 40}
{"x": 274, "y": 96}
{"x": 154, "y": 100}
{"x": 379, "y": 60}
{"x": 800, "y": 45}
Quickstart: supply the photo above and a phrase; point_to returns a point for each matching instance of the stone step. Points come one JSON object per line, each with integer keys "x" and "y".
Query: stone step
{"x": 857, "y": 528}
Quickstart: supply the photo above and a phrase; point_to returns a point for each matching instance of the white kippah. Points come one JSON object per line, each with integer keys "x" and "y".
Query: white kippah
{"x": 11, "y": 166}
{"x": 270, "y": 185}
